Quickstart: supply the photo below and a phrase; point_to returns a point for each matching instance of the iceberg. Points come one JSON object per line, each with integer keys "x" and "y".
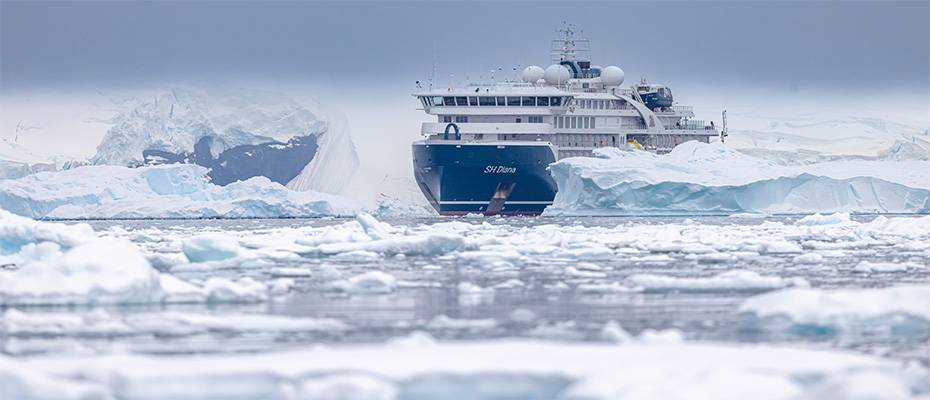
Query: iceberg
{"x": 236, "y": 133}
{"x": 165, "y": 191}
{"x": 713, "y": 178}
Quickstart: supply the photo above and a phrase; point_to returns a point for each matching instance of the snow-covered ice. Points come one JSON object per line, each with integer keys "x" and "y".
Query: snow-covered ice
{"x": 496, "y": 369}
{"x": 713, "y": 178}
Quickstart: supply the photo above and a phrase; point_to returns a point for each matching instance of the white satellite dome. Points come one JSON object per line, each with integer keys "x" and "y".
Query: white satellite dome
{"x": 612, "y": 76}
{"x": 556, "y": 74}
{"x": 532, "y": 74}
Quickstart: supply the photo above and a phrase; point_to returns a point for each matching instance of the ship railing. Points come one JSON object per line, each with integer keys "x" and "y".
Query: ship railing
{"x": 676, "y": 110}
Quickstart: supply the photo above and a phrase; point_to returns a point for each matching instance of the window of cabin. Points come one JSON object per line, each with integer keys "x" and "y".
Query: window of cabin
{"x": 592, "y": 122}
{"x": 584, "y": 123}
{"x": 573, "y": 121}
{"x": 461, "y": 118}
{"x": 446, "y": 118}
{"x": 519, "y": 120}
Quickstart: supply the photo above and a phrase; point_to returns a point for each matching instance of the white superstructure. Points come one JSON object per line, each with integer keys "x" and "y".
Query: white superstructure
{"x": 571, "y": 104}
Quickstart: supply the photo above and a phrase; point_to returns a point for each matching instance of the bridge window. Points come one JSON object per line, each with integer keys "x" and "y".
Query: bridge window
{"x": 513, "y": 101}
{"x": 448, "y": 101}
{"x": 486, "y": 101}
{"x": 436, "y": 101}
{"x": 529, "y": 101}
{"x": 461, "y": 118}
{"x": 542, "y": 102}
{"x": 461, "y": 101}
{"x": 473, "y": 101}
{"x": 555, "y": 101}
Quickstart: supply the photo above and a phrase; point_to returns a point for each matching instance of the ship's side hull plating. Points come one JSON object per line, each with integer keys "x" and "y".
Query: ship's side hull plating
{"x": 509, "y": 178}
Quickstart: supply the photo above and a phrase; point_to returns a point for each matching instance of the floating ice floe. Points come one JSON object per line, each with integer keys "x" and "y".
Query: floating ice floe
{"x": 650, "y": 369}
{"x": 841, "y": 307}
{"x": 372, "y": 282}
{"x": 730, "y": 280}
{"x": 167, "y": 191}
{"x": 700, "y": 178}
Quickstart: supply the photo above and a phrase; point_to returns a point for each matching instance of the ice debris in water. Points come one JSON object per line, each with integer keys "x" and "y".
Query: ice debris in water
{"x": 65, "y": 264}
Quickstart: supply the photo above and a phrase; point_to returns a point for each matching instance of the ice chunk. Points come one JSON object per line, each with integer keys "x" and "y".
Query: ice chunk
{"x": 17, "y": 231}
{"x": 104, "y": 270}
{"x": 901, "y": 226}
{"x": 866, "y": 266}
{"x": 730, "y": 280}
{"x": 222, "y": 290}
{"x": 446, "y": 322}
{"x": 372, "y": 282}
{"x": 613, "y": 332}
{"x": 818, "y": 219}
{"x": 820, "y": 306}
{"x": 809, "y": 258}
{"x": 211, "y": 247}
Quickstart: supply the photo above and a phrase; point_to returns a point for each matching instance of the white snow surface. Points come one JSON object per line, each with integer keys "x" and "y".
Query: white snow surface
{"x": 655, "y": 369}
{"x": 699, "y": 178}
{"x": 166, "y": 191}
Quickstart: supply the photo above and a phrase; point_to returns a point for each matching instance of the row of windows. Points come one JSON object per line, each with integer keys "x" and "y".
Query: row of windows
{"x": 574, "y": 122}
{"x": 598, "y": 104}
{"x": 509, "y": 101}
{"x": 533, "y": 119}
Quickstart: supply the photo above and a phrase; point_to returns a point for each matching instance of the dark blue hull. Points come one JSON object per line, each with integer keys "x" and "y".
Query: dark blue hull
{"x": 487, "y": 178}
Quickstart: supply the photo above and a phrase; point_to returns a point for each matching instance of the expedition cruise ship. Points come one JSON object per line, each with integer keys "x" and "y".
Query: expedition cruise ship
{"x": 490, "y": 146}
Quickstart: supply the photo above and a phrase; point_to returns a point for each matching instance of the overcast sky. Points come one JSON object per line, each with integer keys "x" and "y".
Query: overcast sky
{"x": 812, "y": 45}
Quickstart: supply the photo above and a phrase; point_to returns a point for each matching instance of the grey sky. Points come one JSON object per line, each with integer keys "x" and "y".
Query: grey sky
{"x": 830, "y": 45}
